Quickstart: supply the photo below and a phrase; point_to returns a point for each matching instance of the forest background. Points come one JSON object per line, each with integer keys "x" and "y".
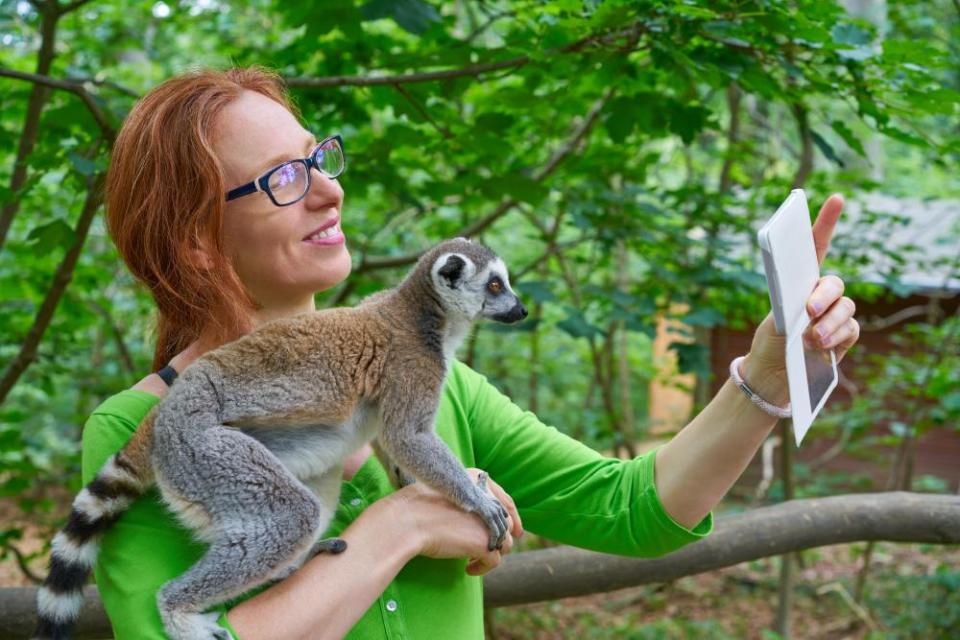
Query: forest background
{"x": 620, "y": 153}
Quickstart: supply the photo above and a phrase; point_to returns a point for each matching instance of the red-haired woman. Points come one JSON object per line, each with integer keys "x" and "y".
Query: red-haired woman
{"x": 229, "y": 211}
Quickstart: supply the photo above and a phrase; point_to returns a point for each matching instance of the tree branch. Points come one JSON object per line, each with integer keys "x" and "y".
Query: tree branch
{"x": 62, "y": 276}
{"x": 562, "y": 572}
{"x": 28, "y": 137}
{"x": 385, "y": 262}
{"x": 72, "y": 86}
{"x": 633, "y": 31}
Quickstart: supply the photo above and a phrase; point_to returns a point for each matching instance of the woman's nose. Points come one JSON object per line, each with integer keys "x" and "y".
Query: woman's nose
{"x": 323, "y": 190}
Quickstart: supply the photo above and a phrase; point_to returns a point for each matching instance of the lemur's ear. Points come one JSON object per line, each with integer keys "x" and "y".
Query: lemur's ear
{"x": 452, "y": 269}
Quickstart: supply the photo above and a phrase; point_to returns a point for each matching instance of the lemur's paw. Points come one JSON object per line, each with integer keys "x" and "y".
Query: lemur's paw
{"x": 493, "y": 514}
{"x": 330, "y": 545}
{"x": 193, "y": 626}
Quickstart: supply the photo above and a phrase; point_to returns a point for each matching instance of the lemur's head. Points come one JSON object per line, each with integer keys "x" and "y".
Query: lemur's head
{"x": 472, "y": 282}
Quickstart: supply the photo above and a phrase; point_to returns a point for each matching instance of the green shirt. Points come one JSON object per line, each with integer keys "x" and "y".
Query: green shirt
{"x": 564, "y": 491}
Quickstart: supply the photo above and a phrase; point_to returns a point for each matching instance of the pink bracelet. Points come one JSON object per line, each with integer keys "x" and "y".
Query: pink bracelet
{"x": 754, "y": 398}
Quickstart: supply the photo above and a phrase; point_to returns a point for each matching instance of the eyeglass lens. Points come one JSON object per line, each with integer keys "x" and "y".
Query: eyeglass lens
{"x": 290, "y": 181}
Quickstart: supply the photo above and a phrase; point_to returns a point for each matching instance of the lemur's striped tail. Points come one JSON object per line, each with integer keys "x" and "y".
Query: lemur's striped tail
{"x": 124, "y": 478}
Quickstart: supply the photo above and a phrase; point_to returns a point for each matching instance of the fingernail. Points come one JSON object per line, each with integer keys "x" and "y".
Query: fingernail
{"x": 817, "y": 308}
{"x": 821, "y": 331}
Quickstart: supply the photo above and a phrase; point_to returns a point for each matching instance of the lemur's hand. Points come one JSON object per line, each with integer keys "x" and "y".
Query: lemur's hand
{"x": 444, "y": 530}
{"x": 492, "y": 512}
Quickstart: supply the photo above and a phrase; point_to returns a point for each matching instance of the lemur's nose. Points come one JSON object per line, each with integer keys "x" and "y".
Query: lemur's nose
{"x": 523, "y": 310}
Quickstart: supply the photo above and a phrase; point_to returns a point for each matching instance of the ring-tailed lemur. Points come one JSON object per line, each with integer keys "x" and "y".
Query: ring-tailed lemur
{"x": 247, "y": 448}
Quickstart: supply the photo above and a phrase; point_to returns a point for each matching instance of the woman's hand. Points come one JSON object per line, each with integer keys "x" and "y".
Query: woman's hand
{"x": 832, "y": 324}
{"x": 443, "y": 530}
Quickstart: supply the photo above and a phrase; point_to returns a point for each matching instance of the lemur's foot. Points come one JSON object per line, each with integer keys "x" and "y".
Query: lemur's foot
{"x": 493, "y": 513}
{"x": 329, "y": 545}
{"x": 193, "y": 626}
{"x": 401, "y": 478}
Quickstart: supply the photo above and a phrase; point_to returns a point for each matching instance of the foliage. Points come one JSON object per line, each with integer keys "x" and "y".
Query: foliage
{"x": 619, "y": 154}
{"x": 918, "y": 606}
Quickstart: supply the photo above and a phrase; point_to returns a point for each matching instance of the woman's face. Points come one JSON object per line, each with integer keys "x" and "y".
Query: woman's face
{"x": 271, "y": 247}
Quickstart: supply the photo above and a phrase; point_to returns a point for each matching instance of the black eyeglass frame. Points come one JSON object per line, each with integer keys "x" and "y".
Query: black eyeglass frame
{"x": 263, "y": 182}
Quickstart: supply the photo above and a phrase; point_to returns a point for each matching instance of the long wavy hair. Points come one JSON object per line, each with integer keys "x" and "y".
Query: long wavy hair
{"x": 165, "y": 204}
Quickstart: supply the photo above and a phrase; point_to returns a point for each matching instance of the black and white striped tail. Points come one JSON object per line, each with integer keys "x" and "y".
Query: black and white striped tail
{"x": 75, "y": 547}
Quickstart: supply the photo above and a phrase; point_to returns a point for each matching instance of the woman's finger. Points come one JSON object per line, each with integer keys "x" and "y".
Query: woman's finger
{"x": 825, "y": 223}
{"x": 831, "y": 328}
{"x": 847, "y": 337}
{"x": 828, "y": 290}
{"x": 484, "y": 564}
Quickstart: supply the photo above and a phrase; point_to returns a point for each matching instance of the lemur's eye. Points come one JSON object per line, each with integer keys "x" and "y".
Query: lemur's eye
{"x": 494, "y": 286}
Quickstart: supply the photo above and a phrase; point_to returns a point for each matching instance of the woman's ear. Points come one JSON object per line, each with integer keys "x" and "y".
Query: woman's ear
{"x": 199, "y": 254}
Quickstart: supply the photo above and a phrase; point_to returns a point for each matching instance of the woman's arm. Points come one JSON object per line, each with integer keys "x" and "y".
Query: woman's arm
{"x": 700, "y": 464}
{"x": 327, "y": 596}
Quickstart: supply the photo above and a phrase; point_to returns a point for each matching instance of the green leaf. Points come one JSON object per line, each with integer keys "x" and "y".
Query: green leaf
{"x": 537, "y": 290}
{"x": 703, "y": 317}
{"x": 849, "y": 137}
{"x": 691, "y": 357}
{"x": 84, "y": 166}
{"x": 414, "y": 16}
{"x": 577, "y": 326}
{"x": 50, "y": 236}
{"x": 826, "y": 149}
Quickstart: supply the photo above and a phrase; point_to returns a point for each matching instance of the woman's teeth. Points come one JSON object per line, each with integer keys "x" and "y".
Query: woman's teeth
{"x": 326, "y": 233}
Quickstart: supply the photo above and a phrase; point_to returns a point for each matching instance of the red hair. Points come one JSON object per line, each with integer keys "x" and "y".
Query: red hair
{"x": 165, "y": 201}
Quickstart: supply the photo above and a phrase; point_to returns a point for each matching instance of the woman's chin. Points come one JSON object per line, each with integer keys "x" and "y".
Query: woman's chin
{"x": 334, "y": 271}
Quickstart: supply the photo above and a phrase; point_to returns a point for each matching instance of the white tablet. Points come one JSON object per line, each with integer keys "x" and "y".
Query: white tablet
{"x": 790, "y": 260}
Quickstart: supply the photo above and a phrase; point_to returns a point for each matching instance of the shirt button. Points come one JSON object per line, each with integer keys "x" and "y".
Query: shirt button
{"x": 391, "y": 605}
{"x": 355, "y": 502}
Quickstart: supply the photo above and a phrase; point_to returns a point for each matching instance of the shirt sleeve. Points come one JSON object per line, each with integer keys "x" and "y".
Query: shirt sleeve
{"x": 147, "y": 546}
{"x": 564, "y": 490}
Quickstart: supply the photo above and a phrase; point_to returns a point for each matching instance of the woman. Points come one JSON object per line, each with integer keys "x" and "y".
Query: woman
{"x": 218, "y": 266}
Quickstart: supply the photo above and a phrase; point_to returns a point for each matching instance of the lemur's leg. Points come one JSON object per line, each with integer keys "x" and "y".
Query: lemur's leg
{"x": 411, "y": 442}
{"x": 398, "y": 477}
{"x": 327, "y": 489}
{"x": 259, "y": 519}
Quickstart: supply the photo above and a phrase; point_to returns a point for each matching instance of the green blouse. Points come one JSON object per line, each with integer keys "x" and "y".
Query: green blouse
{"x": 564, "y": 491}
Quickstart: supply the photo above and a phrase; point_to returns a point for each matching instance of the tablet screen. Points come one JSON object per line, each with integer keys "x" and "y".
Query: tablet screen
{"x": 819, "y": 375}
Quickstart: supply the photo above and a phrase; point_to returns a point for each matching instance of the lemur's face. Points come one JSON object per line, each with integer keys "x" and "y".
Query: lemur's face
{"x": 476, "y": 290}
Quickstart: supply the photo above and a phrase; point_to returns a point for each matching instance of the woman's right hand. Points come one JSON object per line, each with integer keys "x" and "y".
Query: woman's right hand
{"x": 443, "y": 530}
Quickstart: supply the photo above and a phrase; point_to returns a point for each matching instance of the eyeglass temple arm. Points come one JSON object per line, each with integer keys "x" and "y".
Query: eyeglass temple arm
{"x": 245, "y": 190}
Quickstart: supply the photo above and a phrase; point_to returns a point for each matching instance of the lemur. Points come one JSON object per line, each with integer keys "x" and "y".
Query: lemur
{"x": 247, "y": 447}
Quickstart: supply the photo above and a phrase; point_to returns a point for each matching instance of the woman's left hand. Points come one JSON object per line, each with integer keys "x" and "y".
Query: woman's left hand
{"x": 832, "y": 325}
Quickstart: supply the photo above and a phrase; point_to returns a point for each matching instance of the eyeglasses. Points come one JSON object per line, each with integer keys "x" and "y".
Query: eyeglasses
{"x": 287, "y": 183}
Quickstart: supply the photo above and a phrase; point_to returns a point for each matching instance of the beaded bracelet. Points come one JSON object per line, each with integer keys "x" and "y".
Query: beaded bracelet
{"x": 754, "y": 398}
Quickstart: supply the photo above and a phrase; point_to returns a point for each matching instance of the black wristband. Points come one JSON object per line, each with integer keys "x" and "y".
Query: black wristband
{"x": 168, "y": 374}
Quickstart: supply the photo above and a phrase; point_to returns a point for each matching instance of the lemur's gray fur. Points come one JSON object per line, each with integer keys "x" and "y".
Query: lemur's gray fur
{"x": 247, "y": 448}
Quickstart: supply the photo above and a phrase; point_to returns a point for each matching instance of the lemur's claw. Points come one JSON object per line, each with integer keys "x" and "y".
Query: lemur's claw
{"x": 330, "y": 545}
{"x": 493, "y": 513}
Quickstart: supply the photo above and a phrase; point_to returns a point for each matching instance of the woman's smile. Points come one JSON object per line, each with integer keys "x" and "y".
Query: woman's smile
{"x": 327, "y": 235}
